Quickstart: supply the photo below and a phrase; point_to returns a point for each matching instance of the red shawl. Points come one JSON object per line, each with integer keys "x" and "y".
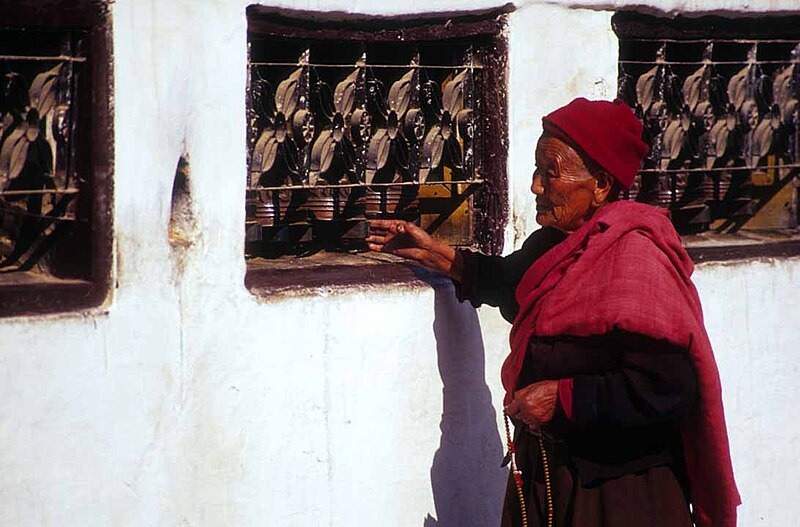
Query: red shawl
{"x": 626, "y": 269}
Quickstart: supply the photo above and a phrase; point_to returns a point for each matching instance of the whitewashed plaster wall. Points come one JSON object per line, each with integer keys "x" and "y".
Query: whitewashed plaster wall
{"x": 186, "y": 401}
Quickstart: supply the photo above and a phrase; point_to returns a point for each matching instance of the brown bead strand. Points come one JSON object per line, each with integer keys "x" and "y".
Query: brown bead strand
{"x": 516, "y": 474}
{"x": 548, "y": 490}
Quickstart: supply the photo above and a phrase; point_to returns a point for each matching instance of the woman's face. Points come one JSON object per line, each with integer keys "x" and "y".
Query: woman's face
{"x": 566, "y": 192}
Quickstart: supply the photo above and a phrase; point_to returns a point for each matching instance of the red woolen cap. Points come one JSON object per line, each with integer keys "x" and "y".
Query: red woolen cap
{"x": 607, "y": 132}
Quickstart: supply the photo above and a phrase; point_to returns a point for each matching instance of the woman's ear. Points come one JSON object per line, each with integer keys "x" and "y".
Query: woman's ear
{"x": 602, "y": 189}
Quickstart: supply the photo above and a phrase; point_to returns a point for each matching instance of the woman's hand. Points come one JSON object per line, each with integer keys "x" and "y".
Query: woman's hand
{"x": 535, "y": 404}
{"x": 408, "y": 241}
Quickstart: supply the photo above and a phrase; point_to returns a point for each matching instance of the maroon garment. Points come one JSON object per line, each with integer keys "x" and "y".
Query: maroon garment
{"x": 626, "y": 270}
{"x": 618, "y": 462}
{"x": 653, "y": 498}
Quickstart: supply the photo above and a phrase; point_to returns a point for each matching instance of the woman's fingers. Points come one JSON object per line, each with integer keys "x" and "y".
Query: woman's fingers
{"x": 512, "y": 410}
{"x": 384, "y": 232}
{"x": 406, "y": 240}
{"x": 380, "y": 232}
{"x": 516, "y": 410}
{"x": 535, "y": 403}
{"x": 385, "y": 225}
{"x": 377, "y": 238}
{"x": 394, "y": 227}
{"x": 383, "y": 240}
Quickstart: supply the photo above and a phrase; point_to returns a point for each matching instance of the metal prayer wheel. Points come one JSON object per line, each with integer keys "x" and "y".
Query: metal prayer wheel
{"x": 265, "y": 214}
{"x": 391, "y": 200}
{"x": 321, "y": 208}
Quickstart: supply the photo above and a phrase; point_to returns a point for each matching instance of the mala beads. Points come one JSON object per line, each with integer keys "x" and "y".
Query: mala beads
{"x": 517, "y": 475}
{"x": 548, "y": 490}
{"x": 515, "y": 472}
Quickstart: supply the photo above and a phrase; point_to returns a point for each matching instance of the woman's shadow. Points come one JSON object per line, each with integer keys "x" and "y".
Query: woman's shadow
{"x": 467, "y": 480}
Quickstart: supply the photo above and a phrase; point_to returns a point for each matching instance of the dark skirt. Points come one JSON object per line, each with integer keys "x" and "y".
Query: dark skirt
{"x": 652, "y": 498}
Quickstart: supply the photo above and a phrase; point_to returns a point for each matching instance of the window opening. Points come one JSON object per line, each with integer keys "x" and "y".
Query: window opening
{"x": 350, "y": 124}
{"x": 54, "y": 157}
{"x": 39, "y": 175}
{"x": 719, "y": 102}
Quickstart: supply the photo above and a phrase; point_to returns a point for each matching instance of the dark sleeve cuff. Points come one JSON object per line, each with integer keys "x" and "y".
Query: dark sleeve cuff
{"x": 585, "y": 403}
{"x": 466, "y": 289}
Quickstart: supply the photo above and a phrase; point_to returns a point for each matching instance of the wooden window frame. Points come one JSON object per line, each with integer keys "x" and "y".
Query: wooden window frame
{"x": 92, "y": 287}
{"x": 739, "y": 242}
{"x": 341, "y": 269}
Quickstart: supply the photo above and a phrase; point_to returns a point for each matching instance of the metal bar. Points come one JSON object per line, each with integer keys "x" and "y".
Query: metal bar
{"x": 368, "y": 185}
{"x": 395, "y": 66}
{"x": 20, "y": 212}
{"x": 59, "y": 58}
{"x": 711, "y": 62}
{"x": 714, "y": 40}
{"x": 37, "y": 192}
{"x": 719, "y": 169}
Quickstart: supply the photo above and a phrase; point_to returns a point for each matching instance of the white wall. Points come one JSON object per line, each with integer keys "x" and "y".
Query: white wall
{"x": 188, "y": 402}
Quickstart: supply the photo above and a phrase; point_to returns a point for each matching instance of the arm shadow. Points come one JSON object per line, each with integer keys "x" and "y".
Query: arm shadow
{"x": 467, "y": 481}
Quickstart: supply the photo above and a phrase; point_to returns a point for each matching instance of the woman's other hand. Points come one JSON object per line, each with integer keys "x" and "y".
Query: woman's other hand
{"x": 408, "y": 241}
{"x": 534, "y": 404}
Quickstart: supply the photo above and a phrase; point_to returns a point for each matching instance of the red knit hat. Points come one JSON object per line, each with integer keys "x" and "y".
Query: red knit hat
{"x": 607, "y": 132}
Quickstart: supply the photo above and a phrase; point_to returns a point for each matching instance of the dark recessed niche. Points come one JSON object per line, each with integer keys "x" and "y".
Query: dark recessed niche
{"x": 55, "y": 156}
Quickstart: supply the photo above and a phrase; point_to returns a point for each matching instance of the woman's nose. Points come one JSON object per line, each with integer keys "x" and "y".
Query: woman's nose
{"x": 536, "y": 185}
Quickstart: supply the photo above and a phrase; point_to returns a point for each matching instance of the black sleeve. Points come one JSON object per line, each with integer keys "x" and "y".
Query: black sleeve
{"x": 493, "y": 280}
{"x": 654, "y": 382}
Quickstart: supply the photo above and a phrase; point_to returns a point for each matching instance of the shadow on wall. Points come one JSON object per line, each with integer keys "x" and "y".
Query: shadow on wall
{"x": 467, "y": 480}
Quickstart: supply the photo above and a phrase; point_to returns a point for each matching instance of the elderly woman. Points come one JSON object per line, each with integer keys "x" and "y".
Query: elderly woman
{"x": 611, "y": 382}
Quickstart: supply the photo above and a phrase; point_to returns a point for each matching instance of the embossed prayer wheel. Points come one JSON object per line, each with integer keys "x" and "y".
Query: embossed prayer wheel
{"x": 391, "y": 200}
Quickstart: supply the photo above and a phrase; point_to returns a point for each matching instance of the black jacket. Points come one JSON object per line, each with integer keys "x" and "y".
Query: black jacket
{"x": 629, "y": 392}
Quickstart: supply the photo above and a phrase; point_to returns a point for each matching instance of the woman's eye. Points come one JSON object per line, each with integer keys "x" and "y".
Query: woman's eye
{"x": 545, "y": 174}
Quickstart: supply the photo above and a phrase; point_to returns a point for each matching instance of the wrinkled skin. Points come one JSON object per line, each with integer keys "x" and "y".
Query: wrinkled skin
{"x": 534, "y": 404}
{"x": 567, "y": 194}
